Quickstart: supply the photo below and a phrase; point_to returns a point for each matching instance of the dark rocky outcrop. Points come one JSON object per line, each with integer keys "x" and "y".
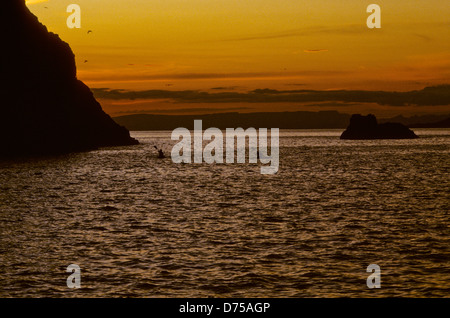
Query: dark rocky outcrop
{"x": 44, "y": 107}
{"x": 367, "y": 127}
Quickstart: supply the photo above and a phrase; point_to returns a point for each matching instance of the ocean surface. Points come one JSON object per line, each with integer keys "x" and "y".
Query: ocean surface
{"x": 139, "y": 226}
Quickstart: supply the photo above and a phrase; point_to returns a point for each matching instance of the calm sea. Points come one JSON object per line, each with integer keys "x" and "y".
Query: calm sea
{"x": 139, "y": 226}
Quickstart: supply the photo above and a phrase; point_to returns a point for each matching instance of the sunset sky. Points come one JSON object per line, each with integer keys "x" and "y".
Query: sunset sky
{"x": 217, "y": 46}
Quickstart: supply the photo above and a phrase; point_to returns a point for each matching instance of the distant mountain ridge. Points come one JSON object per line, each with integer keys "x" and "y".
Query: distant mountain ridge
{"x": 438, "y": 124}
{"x": 287, "y": 120}
{"x": 413, "y": 121}
{"x": 283, "y": 120}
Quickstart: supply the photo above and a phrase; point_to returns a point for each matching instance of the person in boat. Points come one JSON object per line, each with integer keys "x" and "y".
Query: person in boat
{"x": 160, "y": 153}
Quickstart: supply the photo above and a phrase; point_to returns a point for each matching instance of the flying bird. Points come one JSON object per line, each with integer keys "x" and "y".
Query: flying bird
{"x": 85, "y": 61}
{"x": 89, "y": 31}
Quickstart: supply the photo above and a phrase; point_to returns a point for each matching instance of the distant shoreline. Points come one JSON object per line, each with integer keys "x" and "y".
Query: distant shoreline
{"x": 282, "y": 120}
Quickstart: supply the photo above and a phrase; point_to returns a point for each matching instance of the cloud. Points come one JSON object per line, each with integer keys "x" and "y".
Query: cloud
{"x": 120, "y": 76}
{"x": 195, "y": 110}
{"x": 315, "y": 51}
{"x": 334, "y": 104}
{"x": 225, "y": 88}
{"x": 429, "y": 96}
{"x": 342, "y": 29}
{"x": 125, "y": 75}
{"x": 423, "y": 37}
{"x": 28, "y": 2}
{"x": 296, "y": 84}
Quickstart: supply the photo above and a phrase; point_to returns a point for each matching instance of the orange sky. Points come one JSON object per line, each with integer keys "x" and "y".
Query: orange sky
{"x": 241, "y": 45}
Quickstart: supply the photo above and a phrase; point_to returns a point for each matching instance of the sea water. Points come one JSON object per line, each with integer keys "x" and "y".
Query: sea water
{"x": 139, "y": 226}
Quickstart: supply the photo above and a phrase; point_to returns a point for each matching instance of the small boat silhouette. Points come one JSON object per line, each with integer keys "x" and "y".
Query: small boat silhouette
{"x": 161, "y": 154}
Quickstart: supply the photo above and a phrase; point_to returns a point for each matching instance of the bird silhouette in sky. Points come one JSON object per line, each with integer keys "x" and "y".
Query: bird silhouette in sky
{"x": 85, "y": 61}
{"x": 89, "y": 31}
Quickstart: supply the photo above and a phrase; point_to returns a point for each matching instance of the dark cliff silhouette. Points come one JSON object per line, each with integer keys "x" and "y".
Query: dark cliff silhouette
{"x": 44, "y": 107}
{"x": 367, "y": 127}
